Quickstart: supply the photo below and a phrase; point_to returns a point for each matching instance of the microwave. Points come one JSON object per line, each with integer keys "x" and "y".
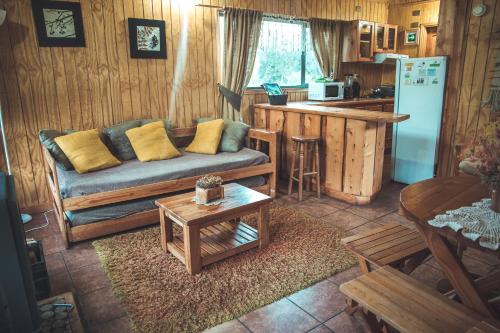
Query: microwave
{"x": 326, "y": 91}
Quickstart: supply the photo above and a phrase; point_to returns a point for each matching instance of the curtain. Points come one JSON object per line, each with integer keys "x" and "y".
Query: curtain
{"x": 493, "y": 100}
{"x": 326, "y": 41}
{"x": 241, "y": 39}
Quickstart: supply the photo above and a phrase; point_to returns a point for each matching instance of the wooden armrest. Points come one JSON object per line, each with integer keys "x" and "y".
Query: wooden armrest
{"x": 263, "y": 134}
{"x": 51, "y": 162}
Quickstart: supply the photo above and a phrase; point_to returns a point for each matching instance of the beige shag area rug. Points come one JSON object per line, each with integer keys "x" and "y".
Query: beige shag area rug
{"x": 160, "y": 296}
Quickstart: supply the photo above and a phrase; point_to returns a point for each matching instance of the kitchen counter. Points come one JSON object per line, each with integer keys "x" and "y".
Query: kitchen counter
{"x": 352, "y": 142}
{"x": 353, "y": 102}
{"x": 339, "y": 112}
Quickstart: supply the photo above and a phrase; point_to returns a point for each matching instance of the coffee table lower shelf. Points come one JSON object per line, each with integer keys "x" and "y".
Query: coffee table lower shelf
{"x": 219, "y": 241}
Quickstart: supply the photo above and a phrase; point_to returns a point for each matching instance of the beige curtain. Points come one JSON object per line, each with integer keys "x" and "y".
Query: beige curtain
{"x": 326, "y": 40}
{"x": 241, "y": 39}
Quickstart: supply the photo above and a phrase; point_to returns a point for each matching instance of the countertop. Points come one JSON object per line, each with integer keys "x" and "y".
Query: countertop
{"x": 353, "y": 102}
{"x": 340, "y": 112}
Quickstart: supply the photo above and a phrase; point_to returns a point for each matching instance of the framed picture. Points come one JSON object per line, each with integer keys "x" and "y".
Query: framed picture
{"x": 411, "y": 37}
{"x": 58, "y": 23}
{"x": 147, "y": 39}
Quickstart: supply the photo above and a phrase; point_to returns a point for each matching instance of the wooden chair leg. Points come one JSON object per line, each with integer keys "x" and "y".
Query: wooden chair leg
{"x": 352, "y": 307}
{"x": 292, "y": 170}
{"x": 364, "y": 266}
{"x": 318, "y": 178}
{"x": 301, "y": 170}
{"x": 308, "y": 164}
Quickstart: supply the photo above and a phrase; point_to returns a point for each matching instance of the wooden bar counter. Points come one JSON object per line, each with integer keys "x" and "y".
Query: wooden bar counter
{"x": 352, "y": 144}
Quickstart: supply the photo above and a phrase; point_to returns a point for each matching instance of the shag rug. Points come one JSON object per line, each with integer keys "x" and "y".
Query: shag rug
{"x": 160, "y": 296}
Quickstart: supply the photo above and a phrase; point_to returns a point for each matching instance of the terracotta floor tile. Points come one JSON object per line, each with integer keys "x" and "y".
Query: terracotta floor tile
{"x": 331, "y": 201}
{"x": 372, "y": 212}
{"x": 317, "y": 208}
{"x": 475, "y": 266}
{"x": 364, "y": 228}
{"x": 345, "y": 220}
{"x": 53, "y": 244}
{"x": 101, "y": 306}
{"x": 345, "y": 276}
{"x": 395, "y": 218}
{"x": 233, "y": 326}
{"x": 322, "y": 300}
{"x": 428, "y": 275}
{"x": 485, "y": 257}
{"x": 119, "y": 325}
{"x": 320, "y": 329}
{"x": 80, "y": 255}
{"x": 55, "y": 263}
{"x": 60, "y": 283}
{"x": 343, "y": 323}
{"x": 280, "y": 317}
{"x": 89, "y": 278}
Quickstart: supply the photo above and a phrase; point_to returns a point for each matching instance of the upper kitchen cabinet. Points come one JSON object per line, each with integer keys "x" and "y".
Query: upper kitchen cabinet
{"x": 385, "y": 38}
{"x": 358, "y": 41}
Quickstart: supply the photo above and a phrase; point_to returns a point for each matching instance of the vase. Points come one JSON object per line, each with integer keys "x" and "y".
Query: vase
{"x": 495, "y": 200}
{"x": 204, "y": 196}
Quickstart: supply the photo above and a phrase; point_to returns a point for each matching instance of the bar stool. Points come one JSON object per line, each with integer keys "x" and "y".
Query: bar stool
{"x": 301, "y": 144}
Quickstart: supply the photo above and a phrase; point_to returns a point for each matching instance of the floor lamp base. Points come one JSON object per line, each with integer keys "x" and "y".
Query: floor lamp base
{"x": 26, "y": 218}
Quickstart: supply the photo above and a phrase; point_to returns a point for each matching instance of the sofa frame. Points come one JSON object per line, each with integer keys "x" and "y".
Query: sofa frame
{"x": 72, "y": 234}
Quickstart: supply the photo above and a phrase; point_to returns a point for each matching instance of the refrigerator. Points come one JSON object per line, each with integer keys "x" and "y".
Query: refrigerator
{"x": 420, "y": 88}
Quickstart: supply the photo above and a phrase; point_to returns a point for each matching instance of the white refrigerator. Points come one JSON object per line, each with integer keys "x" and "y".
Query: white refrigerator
{"x": 420, "y": 86}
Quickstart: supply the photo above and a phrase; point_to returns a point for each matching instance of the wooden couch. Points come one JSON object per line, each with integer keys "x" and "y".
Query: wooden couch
{"x": 258, "y": 139}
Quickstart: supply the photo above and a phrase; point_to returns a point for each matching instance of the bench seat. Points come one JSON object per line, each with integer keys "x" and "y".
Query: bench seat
{"x": 407, "y": 305}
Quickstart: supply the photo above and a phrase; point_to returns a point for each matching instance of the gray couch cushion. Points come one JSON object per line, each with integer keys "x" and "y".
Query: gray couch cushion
{"x": 121, "y": 144}
{"x": 47, "y": 137}
{"x": 134, "y": 173}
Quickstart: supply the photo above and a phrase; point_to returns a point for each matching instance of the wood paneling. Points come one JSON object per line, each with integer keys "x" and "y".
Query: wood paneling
{"x": 99, "y": 85}
{"x": 401, "y": 13}
{"x": 470, "y": 42}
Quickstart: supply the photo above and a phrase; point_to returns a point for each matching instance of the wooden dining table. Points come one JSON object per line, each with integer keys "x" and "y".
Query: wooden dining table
{"x": 421, "y": 202}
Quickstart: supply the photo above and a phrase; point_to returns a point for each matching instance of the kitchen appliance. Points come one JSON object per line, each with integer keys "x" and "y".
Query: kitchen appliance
{"x": 388, "y": 58}
{"x": 420, "y": 87}
{"x": 326, "y": 91}
{"x": 383, "y": 91}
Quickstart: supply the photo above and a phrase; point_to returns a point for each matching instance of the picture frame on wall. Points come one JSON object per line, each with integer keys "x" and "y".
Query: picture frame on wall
{"x": 411, "y": 37}
{"x": 58, "y": 23}
{"x": 147, "y": 39}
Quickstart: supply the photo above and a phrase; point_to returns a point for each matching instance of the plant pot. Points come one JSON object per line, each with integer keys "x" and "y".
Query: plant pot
{"x": 495, "y": 200}
{"x": 204, "y": 196}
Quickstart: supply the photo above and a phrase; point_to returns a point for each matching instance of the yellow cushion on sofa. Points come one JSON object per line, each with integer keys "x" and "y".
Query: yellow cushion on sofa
{"x": 151, "y": 143}
{"x": 86, "y": 151}
{"x": 207, "y": 137}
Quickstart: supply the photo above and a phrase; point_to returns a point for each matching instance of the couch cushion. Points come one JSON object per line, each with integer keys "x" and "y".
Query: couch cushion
{"x": 207, "y": 137}
{"x": 233, "y": 136}
{"x": 134, "y": 173}
{"x": 120, "y": 142}
{"x": 47, "y": 137}
{"x": 151, "y": 143}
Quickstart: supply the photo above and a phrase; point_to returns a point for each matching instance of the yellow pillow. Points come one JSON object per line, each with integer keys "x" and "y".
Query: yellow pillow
{"x": 207, "y": 137}
{"x": 151, "y": 143}
{"x": 86, "y": 151}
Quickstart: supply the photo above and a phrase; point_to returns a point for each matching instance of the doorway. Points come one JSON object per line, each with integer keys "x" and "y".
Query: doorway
{"x": 428, "y": 37}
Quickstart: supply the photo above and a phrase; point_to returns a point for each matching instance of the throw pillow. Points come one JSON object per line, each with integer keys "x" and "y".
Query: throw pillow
{"x": 207, "y": 137}
{"x": 86, "y": 151}
{"x": 119, "y": 140}
{"x": 233, "y": 136}
{"x": 151, "y": 142}
{"x": 47, "y": 137}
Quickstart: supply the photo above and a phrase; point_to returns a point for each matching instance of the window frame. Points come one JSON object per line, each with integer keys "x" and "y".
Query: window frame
{"x": 304, "y": 26}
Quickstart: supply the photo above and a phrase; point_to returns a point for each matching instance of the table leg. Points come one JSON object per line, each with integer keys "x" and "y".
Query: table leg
{"x": 455, "y": 272}
{"x": 165, "y": 230}
{"x": 192, "y": 249}
{"x": 263, "y": 226}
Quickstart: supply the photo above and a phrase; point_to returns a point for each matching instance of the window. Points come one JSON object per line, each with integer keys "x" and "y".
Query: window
{"x": 285, "y": 54}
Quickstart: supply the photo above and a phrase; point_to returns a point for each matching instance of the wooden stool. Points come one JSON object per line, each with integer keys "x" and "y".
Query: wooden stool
{"x": 301, "y": 143}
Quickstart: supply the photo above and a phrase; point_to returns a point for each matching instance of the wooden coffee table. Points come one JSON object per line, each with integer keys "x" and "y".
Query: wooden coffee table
{"x": 212, "y": 233}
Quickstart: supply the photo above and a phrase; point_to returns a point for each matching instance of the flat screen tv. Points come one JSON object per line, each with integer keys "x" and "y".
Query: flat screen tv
{"x": 18, "y": 306}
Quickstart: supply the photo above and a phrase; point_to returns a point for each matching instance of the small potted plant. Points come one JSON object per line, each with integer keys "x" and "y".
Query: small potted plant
{"x": 486, "y": 157}
{"x": 209, "y": 188}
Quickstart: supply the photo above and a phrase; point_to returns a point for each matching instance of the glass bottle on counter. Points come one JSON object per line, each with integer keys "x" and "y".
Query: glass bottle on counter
{"x": 348, "y": 79}
{"x": 356, "y": 87}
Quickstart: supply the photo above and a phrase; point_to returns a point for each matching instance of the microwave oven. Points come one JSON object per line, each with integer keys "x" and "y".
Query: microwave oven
{"x": 326, "y": 91}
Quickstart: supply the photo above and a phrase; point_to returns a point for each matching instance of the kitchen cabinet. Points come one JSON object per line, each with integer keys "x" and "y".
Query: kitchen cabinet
{"x": 385, "y": 38}
{"x": 358, "y": 41}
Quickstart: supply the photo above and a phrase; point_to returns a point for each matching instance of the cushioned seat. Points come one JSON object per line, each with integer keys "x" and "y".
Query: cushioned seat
{"x": 134, "y": 173}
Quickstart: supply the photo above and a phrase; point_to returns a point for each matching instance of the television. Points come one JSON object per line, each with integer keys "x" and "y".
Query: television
{"x": 18, "y": 306}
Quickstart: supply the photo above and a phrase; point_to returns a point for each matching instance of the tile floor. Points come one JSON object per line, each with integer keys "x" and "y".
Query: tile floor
{"x": 318, "y": 309}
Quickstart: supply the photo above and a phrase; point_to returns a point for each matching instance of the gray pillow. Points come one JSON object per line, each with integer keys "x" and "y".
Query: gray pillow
{"x": 47, "y": 137}
{"x": 119, "y": 140}
{"x": 233, "y": 136}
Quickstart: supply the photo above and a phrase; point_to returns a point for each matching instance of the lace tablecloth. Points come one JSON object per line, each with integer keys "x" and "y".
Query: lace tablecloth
{"x": 477, "y": 222}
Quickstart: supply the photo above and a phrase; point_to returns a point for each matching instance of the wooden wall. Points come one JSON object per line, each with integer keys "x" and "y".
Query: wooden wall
{"x": 470, "y": 42}
{"x": 400, "y": 13}
{"x": 100, "y": 84}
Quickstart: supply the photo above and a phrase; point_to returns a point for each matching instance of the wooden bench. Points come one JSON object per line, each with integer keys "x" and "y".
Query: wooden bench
{"x": 393, "y": 244}
{"x": 392, "y": 298}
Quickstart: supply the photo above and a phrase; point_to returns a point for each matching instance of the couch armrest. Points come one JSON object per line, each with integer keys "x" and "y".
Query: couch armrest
{"x": 271, "y": 137}
{"x": 263, "y": 135}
